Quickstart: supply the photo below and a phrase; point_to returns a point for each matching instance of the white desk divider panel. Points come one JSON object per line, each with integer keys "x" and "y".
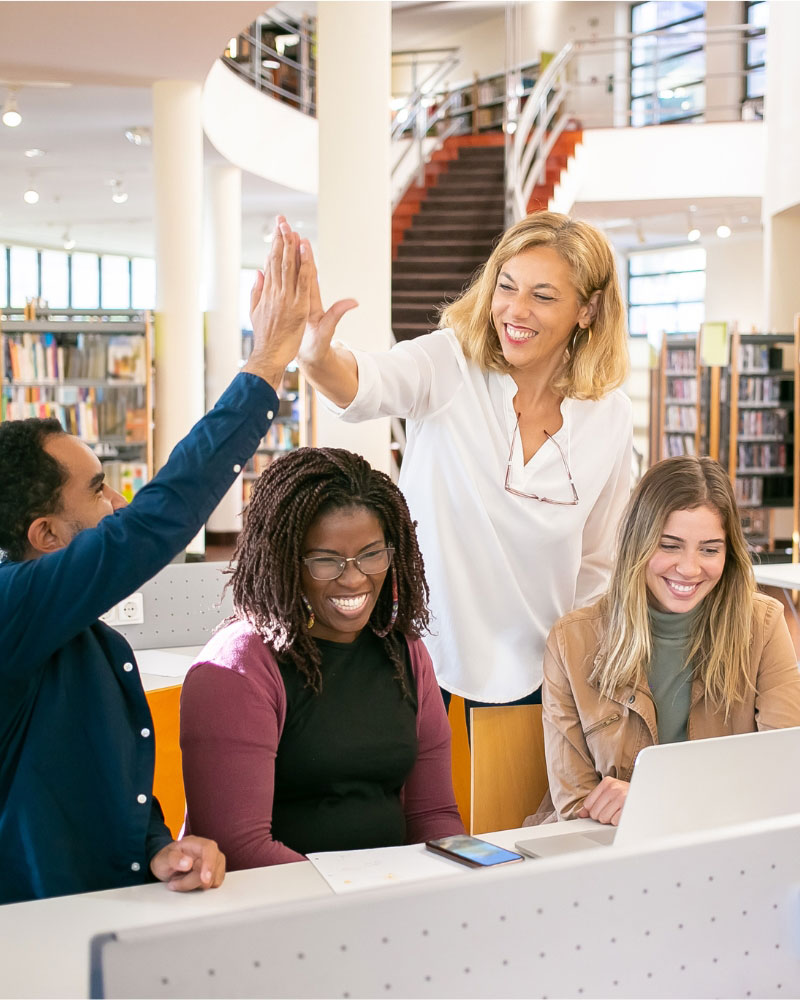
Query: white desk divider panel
{"x": 183, "y": 604}
{"x": 707, "y": 915}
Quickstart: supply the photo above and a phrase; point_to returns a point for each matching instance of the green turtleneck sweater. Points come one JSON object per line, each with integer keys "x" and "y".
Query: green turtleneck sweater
{"x": 669, "y": 675}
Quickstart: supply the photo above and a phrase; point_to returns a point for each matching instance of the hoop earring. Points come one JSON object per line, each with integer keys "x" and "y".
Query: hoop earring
{"x": 580, "y": 330}
{"x": 381, "y": 633}
{"x": 309, "y": 609}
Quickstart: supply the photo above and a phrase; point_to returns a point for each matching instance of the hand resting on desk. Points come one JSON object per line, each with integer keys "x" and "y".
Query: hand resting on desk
{"x": 604, "y": 803}
{"x": 191, "y": 863}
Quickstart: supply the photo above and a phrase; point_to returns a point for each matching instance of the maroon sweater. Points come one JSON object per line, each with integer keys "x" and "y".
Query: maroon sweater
{"x": 233, "y": 710}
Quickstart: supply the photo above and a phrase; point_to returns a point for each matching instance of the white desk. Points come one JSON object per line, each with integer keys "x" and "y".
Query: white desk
{"x": 44, "y": 945}
{"x": 784, "y": 576}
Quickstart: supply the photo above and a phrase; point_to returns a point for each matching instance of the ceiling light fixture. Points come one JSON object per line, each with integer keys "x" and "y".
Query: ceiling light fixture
{"x": 270, "y": 64}
{"x": 139, "y": 135}
{"x": 118, "y": 193}
{"x": 11, "y": 115}
{"x": 33, "y": 154}
{"x": 68, "y": 243}
{"x": 723, "y": 231}
{"x": 693, "y": 235}
{"x": 31, "y": 196}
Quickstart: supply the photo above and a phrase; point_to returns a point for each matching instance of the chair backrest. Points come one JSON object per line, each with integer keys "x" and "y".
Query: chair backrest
{"x": 508, "y": 771}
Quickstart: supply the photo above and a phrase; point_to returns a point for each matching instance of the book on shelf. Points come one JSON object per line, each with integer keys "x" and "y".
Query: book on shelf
{"x": 678, "y": 444}
{"x": 684, "y": 389}
{"x": 680, "y": 418}
{"x": 126, "y": 478}
{"x": 49, "y": 357}
{"x": 769, "y": 423}
{"x": 765, "y": 389}
{"x": 125, "y": 360}
{"x": 90, "y": 412}
{"x": 680, "y": 360}
{"x": 769, "y": 457}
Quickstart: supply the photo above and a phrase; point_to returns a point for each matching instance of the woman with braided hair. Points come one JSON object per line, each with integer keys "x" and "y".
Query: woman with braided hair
{"x": 312, "y": 720}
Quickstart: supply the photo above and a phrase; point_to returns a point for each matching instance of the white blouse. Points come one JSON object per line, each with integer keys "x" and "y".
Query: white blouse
{"x": 502, "y": 569}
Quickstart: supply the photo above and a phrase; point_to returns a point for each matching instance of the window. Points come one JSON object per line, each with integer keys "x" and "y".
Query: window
{"x": 666, "y": 291}
{"x": 85, "y": 281}
{"x": 143, "y": 283}
{"x": 668, "y": 68}
{"x": 115, "y": 279}
{"x": 756, "y": 49}
{"x": 24, "y": 268}
{"x": 55, "y": 279}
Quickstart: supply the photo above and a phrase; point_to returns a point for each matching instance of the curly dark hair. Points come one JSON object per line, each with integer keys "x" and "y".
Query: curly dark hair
{"x": 30, "y": 481}
{"x": 288, "y": 497}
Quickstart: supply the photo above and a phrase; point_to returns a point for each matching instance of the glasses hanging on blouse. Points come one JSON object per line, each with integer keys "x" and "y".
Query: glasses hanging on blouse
{"x": 533, "y": 496}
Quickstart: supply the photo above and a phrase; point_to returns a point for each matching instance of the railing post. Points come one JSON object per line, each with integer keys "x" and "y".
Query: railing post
{"x": 258, "y": 70}
{"x": 305, "y": 63}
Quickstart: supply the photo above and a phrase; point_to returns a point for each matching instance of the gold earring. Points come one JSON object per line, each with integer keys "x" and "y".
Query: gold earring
{"x": 589, "y": 337}
{"x": 309, "y": 609}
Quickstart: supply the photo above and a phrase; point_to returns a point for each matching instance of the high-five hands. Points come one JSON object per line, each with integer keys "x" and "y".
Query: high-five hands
{"x": 605, "y": 801}
{"x": 321, "y": 327}
{"x": 280, "y": 303}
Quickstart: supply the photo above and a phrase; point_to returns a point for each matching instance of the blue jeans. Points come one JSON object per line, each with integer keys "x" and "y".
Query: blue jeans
{"x": 534, "y": 698}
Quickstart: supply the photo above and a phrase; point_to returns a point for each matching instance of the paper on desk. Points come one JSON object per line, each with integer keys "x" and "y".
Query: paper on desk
{"x": 164, "y": 662}
{"x": 349, "y": 871}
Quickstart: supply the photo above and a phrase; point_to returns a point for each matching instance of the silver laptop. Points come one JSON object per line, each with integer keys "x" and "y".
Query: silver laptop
{"x": 696, "y": 785}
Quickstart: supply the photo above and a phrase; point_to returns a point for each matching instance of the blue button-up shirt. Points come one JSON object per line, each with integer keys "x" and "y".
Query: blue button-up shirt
{"x": 77, "y": 750}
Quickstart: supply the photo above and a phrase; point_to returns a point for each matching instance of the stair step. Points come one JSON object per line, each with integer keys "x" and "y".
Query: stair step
{"x": 408, "y": 331}
{"x": 413, "y": 296}
{"x": 423, "y": 282}
{"x": 443, "y": 252}
{"x": 427, "y": 315}
{"x": 484, "y": 201}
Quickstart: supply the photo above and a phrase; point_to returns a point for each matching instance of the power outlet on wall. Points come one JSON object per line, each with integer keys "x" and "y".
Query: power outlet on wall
{"x": 131, "y": 610}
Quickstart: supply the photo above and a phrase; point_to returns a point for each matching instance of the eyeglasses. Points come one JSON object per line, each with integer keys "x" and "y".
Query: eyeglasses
{"x": 532, "y": 496}
{"x": 332, "y": 567}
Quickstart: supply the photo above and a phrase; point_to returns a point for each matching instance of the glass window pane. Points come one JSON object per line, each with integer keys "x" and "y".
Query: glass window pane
{"x": 669, "y": 42}
{"x": 758, "y": 14}
{"x": 690, "y": 316}
{"x": 681, "y": 287}
{"x": 55, "y": 279}
{"x": 3, "y": 277}
{"x": 651, "y": 320}
{"x": 143, "y": 283}
{"x": 85, "y": 281}
{"x": 24, "y": 275}
{"x": 757, "y": 51}
{"x": 116, "y": 282}
{"x": 248, "y": 276}
{"x": 756, "y": 83}
{"x": 668, "y": 261}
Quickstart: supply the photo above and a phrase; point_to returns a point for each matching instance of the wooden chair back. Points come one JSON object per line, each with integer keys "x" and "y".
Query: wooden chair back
{"x": 508, "y": 771}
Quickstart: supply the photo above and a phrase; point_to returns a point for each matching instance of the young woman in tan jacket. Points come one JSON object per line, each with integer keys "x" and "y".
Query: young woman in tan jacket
{"x": 681, "y": 647}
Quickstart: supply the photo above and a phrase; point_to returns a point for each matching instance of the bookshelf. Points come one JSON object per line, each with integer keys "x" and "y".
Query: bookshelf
{"x": 293, "y": 427}
{"x": 762, "y": 424}
{"x": 92, "y": 370}
{"x": 677, "y": 388}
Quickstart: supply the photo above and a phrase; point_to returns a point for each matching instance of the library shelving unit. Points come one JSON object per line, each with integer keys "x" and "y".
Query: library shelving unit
{"x": 677, "y": 388}
{"x": 293, "y": 427}
{"x": 762, "y": 434}
{"x": 92, "y": 370}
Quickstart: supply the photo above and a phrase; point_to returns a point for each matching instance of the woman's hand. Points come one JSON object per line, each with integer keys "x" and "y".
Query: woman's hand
{"x": 279, "y": 304}
{"x": 316, "y": 344}
{"x": 604, "y": 803}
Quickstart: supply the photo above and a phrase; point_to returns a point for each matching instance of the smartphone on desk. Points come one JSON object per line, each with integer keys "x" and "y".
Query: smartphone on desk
{"x": 472, "y": 851}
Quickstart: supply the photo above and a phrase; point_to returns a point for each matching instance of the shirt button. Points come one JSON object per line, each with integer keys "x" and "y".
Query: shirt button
{"x": 145, "y": 732}
{"x": 237, "y": 468}
{"x": 127, "y": 667}
{"x": 135, "y": 866}
{"x": 141, "y": 799}
{"x": 270, "y": 414}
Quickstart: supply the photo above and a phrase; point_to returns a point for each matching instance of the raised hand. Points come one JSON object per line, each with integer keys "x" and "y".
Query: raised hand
{"x": 316, "y": 343}
{"x": 279, "y": 304}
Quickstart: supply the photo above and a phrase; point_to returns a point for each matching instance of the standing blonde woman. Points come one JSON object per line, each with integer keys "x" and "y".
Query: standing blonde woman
{"x": 682, "y": 646}
{"x": 517, "y": 466}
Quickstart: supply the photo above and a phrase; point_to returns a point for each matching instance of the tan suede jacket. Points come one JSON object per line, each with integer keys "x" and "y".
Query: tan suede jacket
{"x": 588, "y": 737}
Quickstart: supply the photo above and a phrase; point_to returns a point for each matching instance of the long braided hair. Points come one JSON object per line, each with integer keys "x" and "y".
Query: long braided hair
{"x": 287, "y": 498}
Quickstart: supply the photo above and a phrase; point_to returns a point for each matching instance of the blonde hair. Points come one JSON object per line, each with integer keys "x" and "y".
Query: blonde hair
{"x": 593, "y": 366}
{"x": 720, "y": 642}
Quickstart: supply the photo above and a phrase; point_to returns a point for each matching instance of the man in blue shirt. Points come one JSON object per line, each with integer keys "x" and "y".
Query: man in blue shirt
{"x": 77, "y": 753}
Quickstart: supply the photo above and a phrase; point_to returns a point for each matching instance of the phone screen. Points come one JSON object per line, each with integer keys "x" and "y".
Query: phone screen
{"x": 472, "y": 851}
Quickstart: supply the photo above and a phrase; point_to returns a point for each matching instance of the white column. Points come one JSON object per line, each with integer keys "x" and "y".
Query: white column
{"x": 354, "y": 214}
{"x": 178, "y": 174}
{"x": 724, "y": 61}
{"x": 223, "y": 264}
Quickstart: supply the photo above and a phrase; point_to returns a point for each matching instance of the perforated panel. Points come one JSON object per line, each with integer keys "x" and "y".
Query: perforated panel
{"x": 715, "y": 918}
{"x": 183, "y": 604}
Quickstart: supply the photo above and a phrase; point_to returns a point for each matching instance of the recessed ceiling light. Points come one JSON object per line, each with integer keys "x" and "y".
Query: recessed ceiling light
{"x": 11, "y": 115}
{"x": 139, "y": 135}
{"x": 33, "y": 153}
{"x": 693, "y": 235}
{"x": 723, "y": 232}
{"x": 68, "y": 243}
{"x": 31, "y": 196}
{"x": 270, "y": 64}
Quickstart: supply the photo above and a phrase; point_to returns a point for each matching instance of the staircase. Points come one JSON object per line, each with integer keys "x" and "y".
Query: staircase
{"x": 444, "y": 231}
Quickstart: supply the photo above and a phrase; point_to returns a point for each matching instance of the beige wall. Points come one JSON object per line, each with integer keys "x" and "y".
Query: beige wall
{"x": 735, "y": 281}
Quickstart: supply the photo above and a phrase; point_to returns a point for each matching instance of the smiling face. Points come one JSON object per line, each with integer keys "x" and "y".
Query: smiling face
{"x": 689, "y": 560}
{"x": 535, "y": 308}
{"x": 342, "y": 607}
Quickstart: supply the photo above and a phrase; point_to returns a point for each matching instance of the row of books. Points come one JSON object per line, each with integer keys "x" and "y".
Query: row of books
{"x": 761, "y": 456}
{"x": 91, "y": 413}
{"x": 759, "y": 357}
{"x": 281, "y": 437}
{"x": 35, "y": 357}
{"x": 678, "y": 444}
{"x": 680, "y": 418}
{"x": 259, "y": 463}
{"x": 126, "y": 478}
{"x": 681, "y": 360}
{"x": 769, "y": 423}
{"x": 749, "y": 491}
{"x": 759, "y": 390}
{"x": 682, "y": 388}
